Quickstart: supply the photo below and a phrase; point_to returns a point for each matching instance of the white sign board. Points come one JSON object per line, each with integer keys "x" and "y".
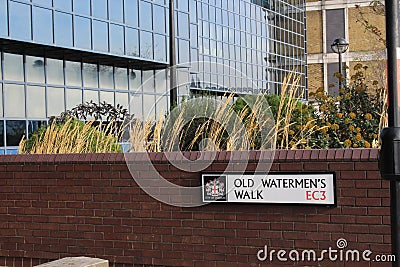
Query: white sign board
{"x": 314, "y": 188}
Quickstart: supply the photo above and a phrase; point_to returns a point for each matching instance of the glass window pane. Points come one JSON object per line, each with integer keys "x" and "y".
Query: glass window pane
{"x": 90, "y": 95}
{"x": 116, "y": 39}
{"x": 74, "y": 98}
{"x": 122, "y": 100}
{"x": 121, "y": 79}
{"x": 20, "y": 18}
{"x": 183, "y": 51}
{"x": 136, "y": 104}
{"x": 106, "y": 77}
{"x": 82, "y": 32}
{"x": 3, "y": 18}
{"x": 1, "y": 136}
{"x": 145, "y": 16}
{"x": 146, "y": 45}
{"x": 148, "y": 81}
{"x": 161, "y": 105}
{"x": 159, "y": 19}
{"x": 1, "y": 103}
{"x": 42, "y": 25}
{"x": 99, "y": 9}
{"x": 55, "y": 72}
{"x": 107, "y": 97}
{"x": 90, "y": 75}
{"x": 15, "y": 130}
{"x": 73, "y": 73}
{"x": 14, "y": 97}
{"x": 55, "y": 101}
{"x": 132, "y": 42}
{"x": 13, "y": 67}
{"x": 36, "y": 102}
{"x": 82, "y": 7}
{"x": 116, "y": 10}
{"x": 160, "y": 49}
{"x": 34, "y": 69}
{"x": 183, "y": 29}
{"x": 135, "y": 80}
{"x": 100, "y": 36}
{"x": 149, "y": 106}
{"x": 334, "y": 27}
{"x": 43, "y": 2}
{"x": 63, "y": 29}
{"x": 161, "y": 81}
{"x": 63, "y": 5}
{"x": 131, "y": 12}
{"x": 33, "y": 126}
{"x": 183, "y": 5}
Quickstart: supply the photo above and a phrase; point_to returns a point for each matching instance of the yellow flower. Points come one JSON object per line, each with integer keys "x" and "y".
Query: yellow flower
{"x": 339, "y": 115}
{"x": 355, "y": 145}
{"x": 367, "y": 144}
{"x": 319, "y": 95}
{"x": 358, "y": 137}
{"x": 347, "y": 121}
{"x": 347, "y": 96}
{"x": 323, "y": 108}
{"x": 328, "y": 124}
{"x": 352, "y": 115}
{"x": 358, "y": 129}
{"x": 291, "y": 132}
{"x": 341, "y": 91}
{"x": 351, "y": 128}
{"x": 339, "y": 98}
{"x": 323, "y": 129}
{"x": 375, "y": 136}
{"x": 368, "y": 116}
{"x": 298, "y": 127}
{"x": 335, "y": 127}
{"x": 347, "y": 143}
{"x": 359, "y": 89}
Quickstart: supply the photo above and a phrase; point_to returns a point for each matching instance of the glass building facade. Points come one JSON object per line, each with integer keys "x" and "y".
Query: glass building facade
{"x": 56, "y": 54}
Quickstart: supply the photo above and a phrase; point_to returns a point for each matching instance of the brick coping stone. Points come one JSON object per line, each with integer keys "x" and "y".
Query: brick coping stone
{"x": 76, "y": 262}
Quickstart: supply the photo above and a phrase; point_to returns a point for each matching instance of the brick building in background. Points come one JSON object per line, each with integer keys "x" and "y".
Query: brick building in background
{"x": 328, "y": 20}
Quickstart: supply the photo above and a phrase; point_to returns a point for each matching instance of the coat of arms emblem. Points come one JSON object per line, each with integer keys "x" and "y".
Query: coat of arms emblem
{"x": 214, "y": 188}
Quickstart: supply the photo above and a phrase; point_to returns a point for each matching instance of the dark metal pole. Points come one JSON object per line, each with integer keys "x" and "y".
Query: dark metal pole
{"x": 392, "y": 43}
{"x": 172, "y": 57}
{"x": 340, "y": 70}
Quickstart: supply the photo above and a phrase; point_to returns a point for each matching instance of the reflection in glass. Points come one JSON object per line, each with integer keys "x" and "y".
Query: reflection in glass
{"x": 159, "y": 19}
{"x": 148, "y": 81}
{"x": 73, "y": 97}
{"x": 20, "y": 18}
{"x": 100, "y": 36}
{"x": 183, "y": 29}
{"x": 99, "y": 9}
{"x": 55, "y": 101}
{"x": 82, "y": 32}
{"x": 36, "y": 102}
{"x": 13, "y": 67}
{"x": 63, "y": 29}
{"x": 145, "y": 16}
{"x": 15, "y": 130}
{"x": 146, "y": 45}
{"x": 3, "y": 18}
{"x": 90, "y": 76}
{"x": 160, "y": 50}
{"x": 149, "y": 107}
{"x": 34, "y": 69}
{"x": 63, "y": 5}
{"x": 73, "y": 73}
{"x": 2, "y": 135}
{"x": 132, "y": 42}
{"x": 81, "y": 7}
{"x": 107, "y": 97}
{"x": 135, "y": 80}
{"x": 116, "y": 10}
{"x": 116, "y": 39}
{"x": 131, "y": 12}
{"x": 106, "y": 77}
{"x": 42, "y": 25}
{"x": 14, "y": 96}
{"x": 55, "y": 73}
{"x": 121, "y": 79}
{"x": 183, "y": 51}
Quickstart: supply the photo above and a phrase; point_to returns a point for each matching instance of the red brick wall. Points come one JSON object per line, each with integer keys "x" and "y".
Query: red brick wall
{"x": 52, "y": 206}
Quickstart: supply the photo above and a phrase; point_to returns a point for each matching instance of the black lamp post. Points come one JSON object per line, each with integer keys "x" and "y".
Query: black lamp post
{"x": 340, "y": 46}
